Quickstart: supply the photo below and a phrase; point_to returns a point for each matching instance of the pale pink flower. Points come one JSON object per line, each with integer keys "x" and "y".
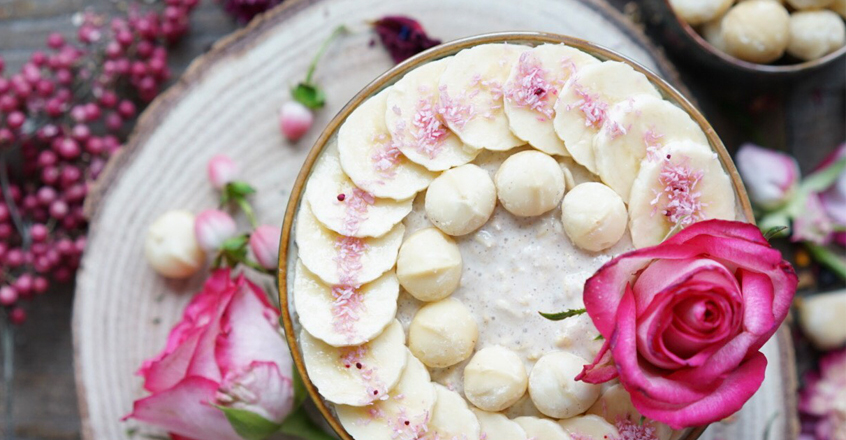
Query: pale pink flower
{"x": 823, "y": 399}
{"x": 222, "y": 170}
{"x": 212, "y": 227}
{"x": 771, "y": 177}
{"x": 295, "y": 120}
{"x": 264, "y": 242}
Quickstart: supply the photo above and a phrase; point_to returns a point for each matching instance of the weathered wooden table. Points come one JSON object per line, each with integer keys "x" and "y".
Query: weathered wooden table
{"x": 805, "y": 117}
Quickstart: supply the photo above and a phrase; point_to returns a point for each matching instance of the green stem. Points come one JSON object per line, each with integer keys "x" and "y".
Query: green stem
{"x": 300, "y": 425}
{"x": 255, "y": 266}
{"x": 248, "y": 210}
{"x": 311, "y": 68}
{"x": 17, "y": 219}
{"x": 827, "y": 258}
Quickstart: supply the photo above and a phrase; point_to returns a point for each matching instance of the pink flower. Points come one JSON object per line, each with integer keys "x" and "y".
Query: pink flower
{"x": 771, "y": 177}
{"x": 683, "y": 321}
{"x": 813, "y": 223}
{"x": 403, "y": 37}
{"x": 823, "y": 399}
{"x": 212, "y": 227}
{"x": 227, "y": 351}
{"x": 833, "y": 200}
{"x": 264, "y": 242}
{"x": 222, "y": 170}
{"x": 295, "y": 120}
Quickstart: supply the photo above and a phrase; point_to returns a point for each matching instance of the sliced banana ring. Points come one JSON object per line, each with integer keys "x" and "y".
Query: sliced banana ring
{"x": 542, "y": 429}
{"x": 403, "y": 415}
{"x": 686, "y": 184}
{"x": 370, "y": 157}
{"x": 589, "y": 427}
{"x": 346, "y": 209}
{"x": 344, "y": 315}
{"x": 451, "y": 418}
{"x": 356, "y": 376}
{"x": 635, "y": 129}
{"x": 471, "y": 91}
{"x": 584, "y": 102}
{"x": 532, "y": 89}
{"x": 496, "y": 426}
{"x": 615, "y": 406}
{"x": 416, "y": 120}
{"x": 338, "y": 259}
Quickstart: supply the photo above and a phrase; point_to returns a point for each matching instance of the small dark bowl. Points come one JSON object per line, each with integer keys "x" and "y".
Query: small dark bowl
{"x": 687, "y": 45}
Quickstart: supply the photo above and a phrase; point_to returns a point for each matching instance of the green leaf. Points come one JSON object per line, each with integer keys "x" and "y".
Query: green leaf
{"x": 828, "y": 258}
{"x": 235, "y": 243}
{"x": 775, "y": 231}
{"x": 300, "y": 425}
{"x": 249, "y": 425}
{"x": 599, "y": 338}
{"x": 300, "y": 392}
{"x": 309, "y": 95}
{"x": 237, "y": 188}
{"x": 824, "y": 178}
{"x": 562, "y": 315}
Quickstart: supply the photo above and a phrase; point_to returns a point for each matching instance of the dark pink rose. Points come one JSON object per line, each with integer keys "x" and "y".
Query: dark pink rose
{"x": 227, "y": 351}
{"x": 683, "y": 321}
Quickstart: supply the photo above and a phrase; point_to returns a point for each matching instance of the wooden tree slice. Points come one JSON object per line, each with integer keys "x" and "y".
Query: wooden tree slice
{"x": 227, "y": 102}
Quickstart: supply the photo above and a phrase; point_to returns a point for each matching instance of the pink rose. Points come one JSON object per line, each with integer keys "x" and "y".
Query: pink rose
{"x": 222, "y": 170}
{"x": 821, "y": 401}
{"x": 212, "y": 227}
{"x": 264, "y": 242}
{"x": 683, "y": 321}
{"x": 770, "y": 176}
{"x": 295, "y": 120}
{"x": 227, "y": 351}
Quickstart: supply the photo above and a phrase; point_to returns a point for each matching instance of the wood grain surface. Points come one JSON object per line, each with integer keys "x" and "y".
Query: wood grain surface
{"x": 805, "y": 117}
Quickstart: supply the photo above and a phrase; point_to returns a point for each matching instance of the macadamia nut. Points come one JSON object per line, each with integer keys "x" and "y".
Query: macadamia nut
{"x": 443, "y": 333}
{"x": 429, "y": 265}
{"x": 699, "y": 11}
{"x": 594, "y": 216}
{"x": 461, "y": 200}
{"x": 171, "y": 247}
{"x": 756, "y": 31}
{"x": 530, "y": 183}
{"x": 495, "y": 379}
{"x": 814, "y": 34}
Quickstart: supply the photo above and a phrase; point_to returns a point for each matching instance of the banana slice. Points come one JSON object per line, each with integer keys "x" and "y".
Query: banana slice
{"x": 470, "y": 95}
{"x": 344, "y": 315}
{"x": 685, "y": 185}
{"x": 542, "y": 429}
{"x": 532, "y": 89}
{"x": 404, "y": 415}
{"x": 346, "y": 209}
{"x": 417, "y": 125}
{"x": 496, "y": 426}
{"x": 584, "y": 102}
{"x": 615, "y": 406}
{"x": 451, "y": 418}
{"x": 370, "y": 157}
{"x": 635, "y": 129}
{"x": 589, "y": 427}
{"x": 338, "y": 259}
{"x": 359, "y": 375}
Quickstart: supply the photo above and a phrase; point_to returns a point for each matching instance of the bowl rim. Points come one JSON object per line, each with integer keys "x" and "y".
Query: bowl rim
{"x": 387, "y": 78}
{"x": 749, "y": 66}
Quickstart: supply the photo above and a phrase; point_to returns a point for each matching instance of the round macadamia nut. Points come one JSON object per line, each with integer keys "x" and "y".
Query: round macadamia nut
{"x": 554, "y": 389}
{"x": 171, "y": 247}
{"x": 699, "y": 11}
{"x": 530, "y": 183}
{"x": 594, "y": 216}
{"x": 443, "y": 333}
{"x": 461, "y": 200}
{"x": 814, "y": 34}
{"x": 756, "y": 31}
{"x": 429, "y": 265}
{"x": 495, "y": 379}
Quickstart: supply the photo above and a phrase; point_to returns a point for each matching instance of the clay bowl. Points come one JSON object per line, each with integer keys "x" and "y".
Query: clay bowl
{"x": 687, "y": 45}
{"x": 287, "y": 247}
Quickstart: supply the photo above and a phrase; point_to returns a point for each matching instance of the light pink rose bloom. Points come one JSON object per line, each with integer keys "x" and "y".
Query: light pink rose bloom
{"x": 771, "y": 177}
{"x": 226, "y": 351}
{"x": 295, "y": 120}
{"x": 264, "y": 242}
{"x": 222, "y": 170}
{"x": 833, "y": 200}
{"x": 212, "y": 227}
{"x": 813, "y": 223}
{"x": 683, "y": 321}
{"x": 823, "y": 398}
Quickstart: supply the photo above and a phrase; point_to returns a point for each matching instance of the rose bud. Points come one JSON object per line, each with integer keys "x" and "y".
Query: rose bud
{"x": 771, "y": 177}
{"x": 212, "y": 227}
{"x": 227, "y": 353}
{"x": 170, "y": 246}
{"x": 812, "y": 223}
{"x": 222, "y": 170}
{"x": 264, "y": 242}
{"x": 833, "y": 200}
{"x": 821, "y": 319}
{"x": 295, "y": 120}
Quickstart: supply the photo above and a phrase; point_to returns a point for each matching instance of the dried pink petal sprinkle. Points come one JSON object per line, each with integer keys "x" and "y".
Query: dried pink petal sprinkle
{"x": 630, "y": 430}
{"x": 345, "y": 309}
{"x": 677, "y": 200}
{"x": 430, "y": 131}
{"x": 652, "y": 140}
{"x": 386, "y": 156}
{"x": 356, "y": 206}
{"x": 348, "y": 260}
{"x": 594, "y": 109}
{"x": 531, "y": 89}
{"x": 454, "y": 111}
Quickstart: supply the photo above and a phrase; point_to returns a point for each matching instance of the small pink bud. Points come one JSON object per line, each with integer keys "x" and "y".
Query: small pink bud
{"x": 264, "y": 242}
{"x": 771, "y": 177}
{"x": 212, "y": 228}
{"x": 8, "y": 295}
{"x": 222, "y": 170}
{"x": 295, "y": 120}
